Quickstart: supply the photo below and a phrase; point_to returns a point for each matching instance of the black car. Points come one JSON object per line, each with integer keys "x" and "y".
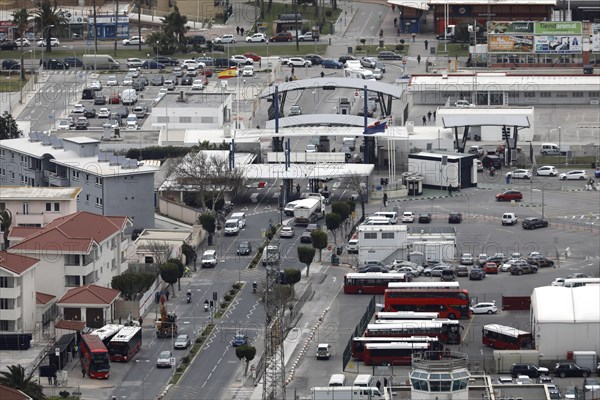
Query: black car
{"x": 491, "y": 161}
{"x": 389, "y": 55}
{"x": 315, "y": 59}
{"x": 540, "y": 262}
{"x": 534, "y": 223}
{"x": 496, "y": 259}
{"x": 571, "y": 369}
{"x": 73, "y": 61}
{"x": 244, "y": 248}
{"x": 142, "y": 79}
{"x": 477, "y": 274}
{"x": 8, "y": 45}
{"x": 373, "y": 268}
{"x": 532, "y": 371}
{"x": 224, "y": 62}
{"x": 166, "y": 60}
{"x": 54, "y": 64}
{"x": 157, "y": 80}
{"x": 196, "y": 39}
{"x": 138, "y": 85}
{"x": 343, "y": 59}
{"x": 10, "y": 64}
{"x": 122, "y": 112}
{"x": 425, "y": 218}
{"x": 454, "y": 218}
{"x": 186, "y": 81}
{"x": 89, "y": 113}
{"x": 100, "y": 100}
{"x": 88, "y": 94}
{"x": 305, "y": 238}
{"x": 522, "y": 268}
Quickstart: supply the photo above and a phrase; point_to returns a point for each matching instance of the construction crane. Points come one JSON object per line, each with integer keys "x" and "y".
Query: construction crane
{"x": 166, "y": 326}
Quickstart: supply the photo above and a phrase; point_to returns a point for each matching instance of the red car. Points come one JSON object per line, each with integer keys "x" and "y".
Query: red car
{"x": 114, "y": 98}
{"x": 282, "y": 37}
{"x": 208, "y": 72}
{"x": 490, "y": 268}
{"x": 252, "y": 56}
{"x": 510, "y": 195}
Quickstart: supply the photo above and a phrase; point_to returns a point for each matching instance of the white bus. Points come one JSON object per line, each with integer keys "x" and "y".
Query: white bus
{"x": 107, "y": 332}
{"x": 391, "y": 215}
{"x": 423, "y": 285}
{"x": 577, "y": 282}
{"x": 406, "y": 315}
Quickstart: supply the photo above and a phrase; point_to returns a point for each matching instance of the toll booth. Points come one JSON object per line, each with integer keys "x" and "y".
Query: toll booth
{"x": 414, "y": 184}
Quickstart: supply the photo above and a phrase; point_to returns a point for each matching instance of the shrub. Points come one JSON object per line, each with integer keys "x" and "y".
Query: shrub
{"x": 328, "y": 13}
{"x": 400, "y": 47}
{"x": 224, "y": 305}
{"x": 237, "y": 286}
{"x": 180, "y": 369}
{"x": 358, "y": 48}
{"x": 218, "y": 47}
{"x": 233, "y": 292}
{"x": 227, "y": 297}
{"x": 363, "y": 41}
{"x": 185, "y": 360}
{"x": 199, "y": 340}
{"x": 402, "y": 41}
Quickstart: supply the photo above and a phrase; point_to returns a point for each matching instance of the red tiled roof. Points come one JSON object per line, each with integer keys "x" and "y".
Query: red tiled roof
{"x": 22, "y": 231}
{"x": 89, "y": 294}
{"x": 8, "y": 393}
{"x": 16, "y": 263}
{"x": 70, "y": 325}
{"x": 43, "y": 298}
{"x": 72, "y": 233}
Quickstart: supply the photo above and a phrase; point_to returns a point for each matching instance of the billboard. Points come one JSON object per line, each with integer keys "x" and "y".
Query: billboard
{"x": 562, "y": 44}
{"x": 558, "y": 28}
{"x": 510, "y": 43}
{"x": 509, "y": 27}
{"x": 596, "y": 38}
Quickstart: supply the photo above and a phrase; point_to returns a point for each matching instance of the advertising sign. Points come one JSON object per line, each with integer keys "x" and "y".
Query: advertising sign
{"x": 558, "y": 44}
{"x": 510, "y": 43}
{"x": 558, "y": 28}
{"x": 509, "y": 27}
{"x": 596, "y": 38}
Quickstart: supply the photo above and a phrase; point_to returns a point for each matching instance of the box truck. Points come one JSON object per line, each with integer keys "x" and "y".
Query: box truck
{"x": 346, "y": 393}
{"x": 309, "y": 210}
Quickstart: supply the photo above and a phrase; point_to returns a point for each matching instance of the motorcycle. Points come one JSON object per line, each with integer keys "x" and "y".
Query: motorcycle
{"x": 492, "y": 172}
{"x": 254, "y": 287}
{"x": 205, "y": 307}
{"x": 189, "y": 298}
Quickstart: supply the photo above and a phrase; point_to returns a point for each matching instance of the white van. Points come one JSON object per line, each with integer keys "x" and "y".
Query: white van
{"x": 232, "y": 227}
{"x": 391, "y": 215}
{"x": 352, "y": 246}
{"x": 377, "y": 221}
{"x": 509, "y": 219}
{"x": 550, "y": 149}
{"x": 359, "y": 74}
{"x": 353, "y": 64}
{"x": 337, "y": 380}
{"x": 363, "y": 380}
{"x": 270, "y": 255}
{"x": 99, "y": 61}
{"x": 132, "y": 122}
{"x": 129, "y": 96}
{"x": 241, "y": 217}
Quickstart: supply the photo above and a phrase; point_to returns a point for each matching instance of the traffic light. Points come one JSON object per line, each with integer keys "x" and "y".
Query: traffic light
{"x": 382, "y": 181}
{"x": 211, "y": 304}
{"x": 505, "y": 132}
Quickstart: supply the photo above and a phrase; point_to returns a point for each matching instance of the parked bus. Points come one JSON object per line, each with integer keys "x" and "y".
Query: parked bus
{"x": 449, "y": 303}
{"x": 107, "y": 332}
{"x": 125, "y": 344}
{"x": 423, "y": 285}
{"x": 577, "y": 282}
{"x": 446, "y": 330}
{"x": 358, "y": 343}
{"x": 372, "y": 282}
{"x": 383, "y": 315}
{"x": 397, "y": 353}
{"x": 94, "y": 356}
{"x": 506, "y": 337}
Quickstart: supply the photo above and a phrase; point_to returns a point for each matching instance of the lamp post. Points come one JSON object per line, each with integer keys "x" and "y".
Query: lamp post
{"x": 22, "y": 75}
{"x": 44, "y": 44}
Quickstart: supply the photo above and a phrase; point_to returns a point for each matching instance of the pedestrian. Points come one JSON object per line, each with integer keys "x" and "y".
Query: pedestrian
{"x": 322, "y": 74}
{"x": 141, "y": 321}
{"x": 429, "y": 116}
{"x": 381, "y": 34}
{"x": 426, "y": 44}
{"x": 167, "y": 294}
{"x": 157, "y": 296}
{"x": 450, "y": 190}
{"x": 434, "y": 115}
{"x": 414, "y": 36}
{"x": 419, "y": 59}
{"x": 395, "y": 22}
{"x": 298, "y": 189}
{"x": 49, "y": 379}
{"x": 83, "y": 372}
{"x": 293, "y": 70}
{"x": 242, "y": 31}
{"x": 378, "y": 384}
{"x": 75, "y": 350}
{"x": 385, "y": 199}
{"x": 54, "y": 379}
{"x": 237, "y": 30}
{"x": 385, "y": 382}
{"x": 424, "y": 120}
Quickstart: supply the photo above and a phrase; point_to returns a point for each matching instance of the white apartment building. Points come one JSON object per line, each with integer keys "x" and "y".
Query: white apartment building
{"x": 17, "y": 292}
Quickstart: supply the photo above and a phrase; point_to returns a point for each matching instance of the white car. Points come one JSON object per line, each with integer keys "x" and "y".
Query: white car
{"x": 466, "y": 259}
{"x": 182, "y": 342}
{"x": 225, "y": 39}
{"x": 78, "y": 109}
{"x": 178, "y": 72}
{"x": 558, "y": 282}
{"x": 112, "y": 81}
{"x": 295, "y": 110}
{"x": 287, "y": 232}
{"x": 519, "y": 174}
{"x": 95, "y": 85}
{"x": 378, "y": 74}
{"x": 248, "y": 70}
{"x": 463, "y": 104}
{"x": 408, "y": 216}
{"x": 505, "y": 267}
{"x": 82, "y": 121}
{"x": 484, "y": 308}
{"x": 198, "y": 84}
{"x": 104, "y": 113}
{"x": 54, "y": 42}
{"x": 134, "y": 63}
{"x": 25, "y": 42}
{"x": 578, "y": 174}
{"x": 547, "y": 170}
{"x": 134, "y": 72}
{"x": 164, "y": 359}
{"x": 257, "y": 37}
{"x": 63, "y": 125}
{"x": 311, "y": 148}
{"x": 298, "y": 62}
{"x": 134, "y": 41}
{"x": 128, "y": 80}
{"x": 190, "y": 65}
{"x": 408, "y": 270}
{"x": 241, "y": 60}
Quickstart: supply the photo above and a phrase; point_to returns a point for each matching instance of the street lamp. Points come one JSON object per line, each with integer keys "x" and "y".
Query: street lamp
{"x": 22, "y": 74}
{"x": 44, "y": 44}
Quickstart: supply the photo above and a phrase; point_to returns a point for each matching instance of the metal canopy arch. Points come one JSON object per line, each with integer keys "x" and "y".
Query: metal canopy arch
{"x": 507, "y": 120}
{"x": 320, "y": 120}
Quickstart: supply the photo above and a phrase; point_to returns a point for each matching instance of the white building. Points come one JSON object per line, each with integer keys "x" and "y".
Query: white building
{"x": 17, "y": 293}
{"x": 76, "y": 250}
{"x": 38, "y": 206}
{"x": 150, "y": 241}
{"x": 565, "y": 320}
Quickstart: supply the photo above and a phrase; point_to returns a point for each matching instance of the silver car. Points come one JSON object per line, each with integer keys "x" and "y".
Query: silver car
{"x": 466, "y": 259}
{"x": 182, "y": 342}
{"x": 436, "y": 271}
{"x": 164, "y": 359}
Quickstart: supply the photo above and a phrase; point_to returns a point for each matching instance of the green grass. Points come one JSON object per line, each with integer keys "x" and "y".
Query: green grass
{"x": 13, "y": 84}
{"x": 454, "y": 49}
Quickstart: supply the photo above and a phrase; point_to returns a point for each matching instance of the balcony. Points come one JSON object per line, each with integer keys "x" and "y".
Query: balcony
{"x": 11, "y": 292}
{"x": 11, "y": 315}
{"x": 29, "y": 219}
{"x": 79, "y": 269}
{"x": 55, "y": 179}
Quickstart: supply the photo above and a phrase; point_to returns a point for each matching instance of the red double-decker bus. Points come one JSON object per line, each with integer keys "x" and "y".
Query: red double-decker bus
{"x": 372, "y": 282}
{"x": 448, "y": 331}
{"x": 449, "y": 303}
{"x": 359, "y": 343}
{"x": 125, "y": 344}
{"x": 399, "y": 315}
{"x": 94, "y": 357}
{"x": 398, "y": 353}
{"x": 506, "y": 337}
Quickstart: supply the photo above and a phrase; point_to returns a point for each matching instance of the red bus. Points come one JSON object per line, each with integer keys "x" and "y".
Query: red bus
{"x": 125, "y": 344}
{"x": 358, "y": 343}
{"x": 449, "y": 303}
{"x": 448, "y": 331}
{"x": 506, "y": 337}
{"x": 383, "y": 315}
{"x": 423, "y": 285}
{"x": 372, "y": 282}
{"x": 398, "y": 353}
{"x": 107, "y": 332}
{"x": 94, "y": 357}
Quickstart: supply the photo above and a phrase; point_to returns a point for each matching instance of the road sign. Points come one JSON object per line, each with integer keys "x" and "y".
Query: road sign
{"x": 215, "y": 296}
{"x": 57, "y": 351}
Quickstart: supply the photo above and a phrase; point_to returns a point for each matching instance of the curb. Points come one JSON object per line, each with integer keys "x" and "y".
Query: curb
{"x": 429, "y": 197}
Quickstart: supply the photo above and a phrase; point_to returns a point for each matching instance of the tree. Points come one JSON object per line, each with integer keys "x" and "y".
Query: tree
{"x": 5, "y": 223}
{"x": 333, "y": 222}
{"x": 358, "y": 184}
{"x": 169, "y": 272}
{"x": 180, "y": 268}
{"x": 305, "y": 256}
{"x": 46, "y": 14}
{"x": 188, "y": 251}
{"x": 175, "y": 25}
{"x": 343, "y": 210}
{"x": 209, "y": 224}
{"x": 161, "y": 251}
{"x": 292, "y": 276}
{"x": 247, "y": 353}
{"x": 132, "y": 283}
{"x": 21, "y": 23}
{"x": 17, "y": 378}
{"x": 319, "y": 240}
{"x": 8, "y": 127}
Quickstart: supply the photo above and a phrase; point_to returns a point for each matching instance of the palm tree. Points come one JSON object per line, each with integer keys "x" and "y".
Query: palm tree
{"x": 47, "y": 17}
{"x": 16, "y": 378}
{"x": 5, "y": 223}
{"x": 21, "y": 23}
{"x": 175, "y": 25}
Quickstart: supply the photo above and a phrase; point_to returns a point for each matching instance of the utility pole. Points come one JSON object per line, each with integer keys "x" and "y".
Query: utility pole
{"x": 140, "y": 25}
{"x": 274, "y": 367}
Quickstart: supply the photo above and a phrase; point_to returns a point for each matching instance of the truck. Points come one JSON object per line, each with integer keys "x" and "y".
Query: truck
{"x": 165, "y": 325}
{"x": 309, "y": 210}
{"x": 311, "y": 36}
{"x": 462, "y": 34}
{"x": 99, "y": 61}
{"x": 346, "y": 393}
{"x": 270, "y": 255}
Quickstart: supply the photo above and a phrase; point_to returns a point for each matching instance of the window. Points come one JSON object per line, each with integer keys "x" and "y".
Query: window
{"x": 72, "y": 280}
{"x": 2, "y": 172}
{"x": 87, "y": 199}
{"x": 545, "y": 94}
{"x": 577, "y": 94}
{"x": 12, "y": 177}
{"x": 528, "y": 94}
{"x": 1, "y": 153}
{"x": 162, "y": 119}
{"x": 4, "y": 280}
{"x": 387, "y": 235}
{"x": 99, "y": 181}
{"x": 3, "y": 325}
{"x": 99, "y": 202}
{"x": 561, "y": 94}
{"x": 185, "y": 120}
{"x": 207, "y": 120}
{"x": 56, "y": 207}
{"x": 48, "y": 206}
{"x": 75, "y": 175}
{"x": 370, "y": 235}
{"x": 5, "y": 304}
{"x": 593, "y": 94}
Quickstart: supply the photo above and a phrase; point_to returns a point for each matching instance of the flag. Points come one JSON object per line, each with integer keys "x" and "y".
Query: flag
{"x": 228, "y": 73}
{"x": 376, "y": 127}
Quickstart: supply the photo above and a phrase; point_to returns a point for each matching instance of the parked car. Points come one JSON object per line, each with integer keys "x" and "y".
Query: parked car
{"x": 577, "y": 275}
{"x": 166, "y": 60}
{"x": 436, "y": 270}
{"x": 574, "y": 175}
{"x": 104, "y": 113}
{"x": 466, "y": 259}
{"x": 197, "y": 84}
{"x": 73, "y": 61}
{"x": 257, "y": 37}
{"x": 54, "y": 42}
{"x": 196, "y": 39}
{"x": 114, "y": 98}
{"x": 140, "y": 111}
{"x": 408, "y": 216}
{"x": 134, "y": 63}
{"x": 519, "y": 174}
{"x": 239, "y": 59}
{"x": 298, "y": 62}
{"x": 78, "y": 109}
{"x": 186, "y": 81}
{"x": 373, "y": 268}
{"x": 10, "y": 64}
{"x": 368, "y": 62}
{"x": 112, "y": 81}
{"x": 248, "y": 70}
{"x": 128, "y": 80}
{"x": 455, "y": 218}
{"x": 424, "y": 218}
{"x": 345, "y": 58}
{"x": 89, "y": 113}
{"x": 296, "y": 110}
{"x": 547, "y": 170}
{"x": 224, "y": 39}
{"x": 482, "y": 258}
{"x": 509, "y": 195}
{"x": 164, "y": 359}
{"x": 571, "y": 369}
{"x": 244, "y": 248}
{"x": 133, "y": 41}
{"x": 530, "y": 370}
{"x": 484, "y": 308}
{"x": 520, "y": 269}
{"x": 281, "y": 37}
{"x": 315, "y": 59}
{"x": 462, "y": 270}
{"x": 477, "y": 274}
{"x": 252, "y": 56}
{"x": 407, "y": 270}
{"x": 540, "y": 261}
{"x": 151, "y": 64}
{"x": 490, "y": 267}
{"x": 534, "y": 223}
{"x": 63, "y": 125}
{"x": 287, "y": 232}
{"x": 19, "y": 41}
{"x": 329, "y": 63}
{"x": 389, "y": 55}
{"x": 182, "y": 342}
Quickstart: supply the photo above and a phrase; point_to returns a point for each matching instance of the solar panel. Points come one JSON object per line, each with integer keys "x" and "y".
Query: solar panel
{"x": 56, "y": 142}
{"x": 113, "y": 160}
{"x": 45, "y": 140}
{"x": 33, "y": 136}
{"x": 103, "y": 156}
{"x": 121, "y": 160}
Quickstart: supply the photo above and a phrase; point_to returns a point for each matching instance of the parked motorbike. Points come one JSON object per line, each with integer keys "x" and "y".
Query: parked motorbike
{"x": 189, "y": 297}
{"x": 205, "y": 307}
